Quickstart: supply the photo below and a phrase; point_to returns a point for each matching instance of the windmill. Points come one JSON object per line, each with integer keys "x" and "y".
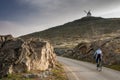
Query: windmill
{"x": 88, "y": 13}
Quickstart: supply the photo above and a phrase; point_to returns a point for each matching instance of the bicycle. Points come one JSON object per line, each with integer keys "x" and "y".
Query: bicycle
{"x": 99, "y": 65}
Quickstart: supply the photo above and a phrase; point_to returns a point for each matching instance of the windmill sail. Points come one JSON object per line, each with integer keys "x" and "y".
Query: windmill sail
{"x": 88, "y": 13}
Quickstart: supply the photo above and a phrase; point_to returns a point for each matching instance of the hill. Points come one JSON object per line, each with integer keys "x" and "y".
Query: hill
{"x": 73, "y": 32}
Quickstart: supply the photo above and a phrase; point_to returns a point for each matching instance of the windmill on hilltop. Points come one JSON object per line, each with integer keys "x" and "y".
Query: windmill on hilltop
{"x": 88, "y": 13}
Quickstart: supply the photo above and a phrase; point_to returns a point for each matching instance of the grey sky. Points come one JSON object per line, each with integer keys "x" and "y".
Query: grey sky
{"x": 19, "y": 17}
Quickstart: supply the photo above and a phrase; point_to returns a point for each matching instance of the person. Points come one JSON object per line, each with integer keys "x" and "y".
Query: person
{"x": 98, "y": 56}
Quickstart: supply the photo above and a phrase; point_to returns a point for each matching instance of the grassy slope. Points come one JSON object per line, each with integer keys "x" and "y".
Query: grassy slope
{"x": 82, "y": 28}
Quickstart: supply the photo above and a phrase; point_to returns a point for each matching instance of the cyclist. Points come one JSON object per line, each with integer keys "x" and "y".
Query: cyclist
{"x": 98, "y": 57}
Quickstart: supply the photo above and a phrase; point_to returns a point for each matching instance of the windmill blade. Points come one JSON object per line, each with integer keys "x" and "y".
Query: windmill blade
{"x": 85, "y": 11}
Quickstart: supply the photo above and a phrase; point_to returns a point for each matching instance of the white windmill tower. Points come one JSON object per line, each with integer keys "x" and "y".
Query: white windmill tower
{"x": 88, "y": 13}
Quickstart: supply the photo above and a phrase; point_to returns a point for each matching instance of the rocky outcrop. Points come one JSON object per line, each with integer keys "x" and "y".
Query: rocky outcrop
{"x": 110, "y": 48}
{"x": 18, "y": 56}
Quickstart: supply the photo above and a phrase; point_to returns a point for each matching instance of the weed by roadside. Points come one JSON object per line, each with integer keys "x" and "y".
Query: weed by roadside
{"x": 57, "y": 73}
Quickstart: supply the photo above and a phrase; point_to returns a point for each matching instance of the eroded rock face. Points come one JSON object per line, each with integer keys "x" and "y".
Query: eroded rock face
{"x": 18, "y": 56}
{"x": 110, "y": 48}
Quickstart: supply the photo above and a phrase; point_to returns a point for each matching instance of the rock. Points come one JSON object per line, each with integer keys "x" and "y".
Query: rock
{"x": 40, "y": 75}
{"x": 18, "y": 56}
{"x": 110, "y": 48}
{"x": 30, "y": 76}
{"x": 59, "y": 51}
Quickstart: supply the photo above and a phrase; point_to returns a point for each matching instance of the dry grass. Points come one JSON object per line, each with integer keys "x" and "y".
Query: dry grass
{"x": 115, "y": 67}
{"x": 57, "y": 73}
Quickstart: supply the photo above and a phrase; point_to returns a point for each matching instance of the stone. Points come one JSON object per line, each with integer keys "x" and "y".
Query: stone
{"x": 110, "y": 48}
{"x": 17, "y": 55}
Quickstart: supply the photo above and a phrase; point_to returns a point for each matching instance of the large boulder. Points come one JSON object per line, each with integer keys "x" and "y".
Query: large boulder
{"x": 18, "y": 56}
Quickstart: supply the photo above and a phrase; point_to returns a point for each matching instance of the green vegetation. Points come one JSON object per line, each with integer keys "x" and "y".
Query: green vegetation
{"x": 59, "y": 73}
{"x": 15, "y": 77}
{"x": 116, "y": 67}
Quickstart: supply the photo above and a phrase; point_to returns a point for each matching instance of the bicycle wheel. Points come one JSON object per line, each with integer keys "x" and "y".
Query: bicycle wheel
{"x": 100, "y": 66}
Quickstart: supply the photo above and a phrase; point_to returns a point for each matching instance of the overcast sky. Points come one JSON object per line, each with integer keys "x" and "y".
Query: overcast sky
{"x": 20, "y": 17}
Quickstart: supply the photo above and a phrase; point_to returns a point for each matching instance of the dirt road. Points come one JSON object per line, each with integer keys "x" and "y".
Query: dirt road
{"x": 78, "y": 70}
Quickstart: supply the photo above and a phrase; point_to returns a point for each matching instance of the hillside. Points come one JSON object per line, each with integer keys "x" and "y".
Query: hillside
{"x": 72, "y": 32}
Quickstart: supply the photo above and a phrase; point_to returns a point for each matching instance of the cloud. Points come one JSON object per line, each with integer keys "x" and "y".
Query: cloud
{"x": 54, "y": 8}
{"x": 20, "y": 17}
{"x": 7, "y": 27}
{"x": 42, "y": 11}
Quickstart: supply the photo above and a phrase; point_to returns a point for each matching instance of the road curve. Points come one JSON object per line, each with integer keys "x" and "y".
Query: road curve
{"x": 78, "y": 70}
